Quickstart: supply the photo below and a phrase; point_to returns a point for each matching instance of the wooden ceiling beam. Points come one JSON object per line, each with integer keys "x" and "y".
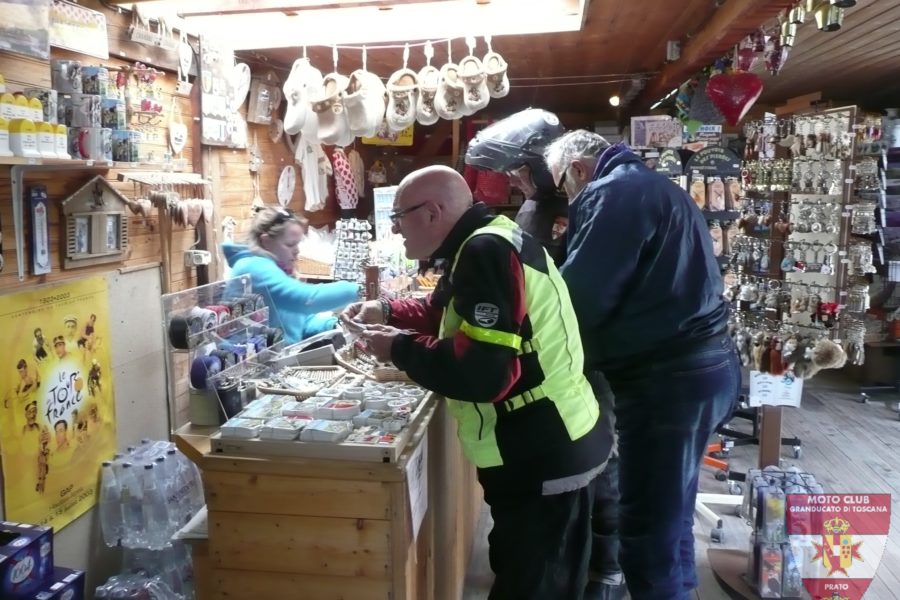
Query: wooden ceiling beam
{"x": 730, "y": 23}
{"x": 241, "y": 7}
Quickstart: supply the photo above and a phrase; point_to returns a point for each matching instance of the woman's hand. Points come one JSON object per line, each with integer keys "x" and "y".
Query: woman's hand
{"x": 370, "y": 313}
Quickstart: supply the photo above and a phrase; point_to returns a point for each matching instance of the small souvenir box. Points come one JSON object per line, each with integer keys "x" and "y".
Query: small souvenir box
{"x": 67, "y": 584}
{"x": 26, "y": 559}
{"x": 283, "y": 428}
{"x": 242, "y": 428}
{"x": 322, "y": 430}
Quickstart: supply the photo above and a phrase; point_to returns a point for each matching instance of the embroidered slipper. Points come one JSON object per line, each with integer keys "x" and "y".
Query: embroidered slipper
{"x": 329, "y": 110}
{"x": 475, "y": 83}
{"x": 448, "y": 103}
{"x": 403, "y": 93}
{"x": 495, "y": 68}
{"x": 364, "y": 103}
{"x": 303, "y": 76}
{"x": 429, "y": 80}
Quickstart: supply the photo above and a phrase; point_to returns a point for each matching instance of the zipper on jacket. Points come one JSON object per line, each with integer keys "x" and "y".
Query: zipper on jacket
{"x": 480, "y": 419}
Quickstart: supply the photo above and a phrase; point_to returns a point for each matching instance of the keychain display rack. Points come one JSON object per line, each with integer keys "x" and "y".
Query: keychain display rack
{"x": 798, "y": 267}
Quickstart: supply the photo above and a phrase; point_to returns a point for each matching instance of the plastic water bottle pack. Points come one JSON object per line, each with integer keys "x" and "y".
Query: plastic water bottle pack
{"x": 135, "y": 587}
{"x": 147, "y": 494}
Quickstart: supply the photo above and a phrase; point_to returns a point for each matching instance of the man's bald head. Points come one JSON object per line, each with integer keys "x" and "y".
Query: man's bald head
{"x": 427, "y": 205}
{"x": 438, "y": 184}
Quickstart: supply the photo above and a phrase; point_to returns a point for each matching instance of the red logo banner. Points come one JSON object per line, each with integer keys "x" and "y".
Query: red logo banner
{"x": 838, "y": 541}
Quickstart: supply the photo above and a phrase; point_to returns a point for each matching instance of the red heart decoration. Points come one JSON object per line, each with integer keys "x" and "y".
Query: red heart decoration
{"x": 734, "y": 93}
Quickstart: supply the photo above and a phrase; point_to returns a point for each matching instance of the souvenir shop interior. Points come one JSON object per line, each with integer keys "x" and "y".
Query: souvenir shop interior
{"x": 166, "y": 433}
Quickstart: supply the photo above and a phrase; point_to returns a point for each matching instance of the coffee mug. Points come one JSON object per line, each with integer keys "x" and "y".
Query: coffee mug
{"x": 85, "y": 111}
{"x": 95, "y": 80}
{"x": 66, "y": 76}
{"x": 49, "y": 100}
{"x": 113, "y": 113}
{"x": 90, "y": 143}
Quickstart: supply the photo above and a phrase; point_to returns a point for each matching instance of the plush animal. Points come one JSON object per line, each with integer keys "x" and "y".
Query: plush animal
{"x": 824, "y": 354}
{"x": 756, "y": 352}
{"x": 766, "y": 355}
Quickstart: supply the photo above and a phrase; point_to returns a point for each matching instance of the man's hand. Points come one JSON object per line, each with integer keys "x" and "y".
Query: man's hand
{"x": 378, "y": 339}
{"x": 369, "y": 312}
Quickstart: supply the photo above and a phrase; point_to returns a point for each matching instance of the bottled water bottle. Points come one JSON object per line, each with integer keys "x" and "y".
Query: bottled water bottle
{"x": 156, "y": 516}
{"x": 133, "y": 535}
{"x": 110, "y": 510}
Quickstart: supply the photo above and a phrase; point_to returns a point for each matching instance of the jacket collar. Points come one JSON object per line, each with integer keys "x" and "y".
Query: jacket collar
{"x": 607, "y": 161}
{"x": 476, "y": 217}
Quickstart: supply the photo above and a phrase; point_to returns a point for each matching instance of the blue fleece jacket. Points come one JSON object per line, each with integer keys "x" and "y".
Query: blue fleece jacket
{"x": 296, "y": 303}
{"x": 640, "y": 268}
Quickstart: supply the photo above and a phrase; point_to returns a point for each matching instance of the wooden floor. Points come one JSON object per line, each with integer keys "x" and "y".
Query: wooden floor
{"x": 849, "y": 446}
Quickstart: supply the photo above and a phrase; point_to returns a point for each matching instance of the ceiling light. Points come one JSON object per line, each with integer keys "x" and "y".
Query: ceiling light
{"x": 614, "y": 100}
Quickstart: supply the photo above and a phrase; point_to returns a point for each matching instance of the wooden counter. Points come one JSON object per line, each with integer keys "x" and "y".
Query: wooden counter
{"x": 327, "y": 529}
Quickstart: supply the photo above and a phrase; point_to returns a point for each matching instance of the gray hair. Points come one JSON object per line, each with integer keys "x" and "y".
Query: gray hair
{"x": 575, "y": 145}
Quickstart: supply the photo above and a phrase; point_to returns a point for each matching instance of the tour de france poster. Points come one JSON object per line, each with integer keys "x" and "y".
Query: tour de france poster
{"x": 57, "y": 422}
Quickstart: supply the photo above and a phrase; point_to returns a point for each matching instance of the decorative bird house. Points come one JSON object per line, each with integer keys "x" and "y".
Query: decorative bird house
{"x": 96, "y": 225}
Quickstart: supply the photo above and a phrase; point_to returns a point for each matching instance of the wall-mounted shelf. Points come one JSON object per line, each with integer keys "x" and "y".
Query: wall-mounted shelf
{"x": 20, "y": 166}
{"x": 164, "y": 178}
{"x": 12, "y": 161}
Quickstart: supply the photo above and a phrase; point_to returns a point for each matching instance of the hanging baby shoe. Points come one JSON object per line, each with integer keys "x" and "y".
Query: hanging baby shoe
{"x": 333, "y": 126}
{"x": 303, "y": 79}
{"x": 364, "y": 103}
{"x": 448, "y": 103}
{"x": 495, "y": 68}
{"x": 429, "y": 79}
{"x": 474, "y": 80}
{"x": 403, "y": 93}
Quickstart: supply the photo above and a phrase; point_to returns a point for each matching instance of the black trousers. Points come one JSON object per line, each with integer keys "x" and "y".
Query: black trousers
{"x": 540, "y": 546}
{"x": 605, "y": 513}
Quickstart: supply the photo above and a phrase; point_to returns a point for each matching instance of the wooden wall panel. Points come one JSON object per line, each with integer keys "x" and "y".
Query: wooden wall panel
{"x": 145, "y": 248}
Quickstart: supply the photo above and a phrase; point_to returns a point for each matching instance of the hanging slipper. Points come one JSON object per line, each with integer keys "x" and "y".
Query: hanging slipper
{"x": 449, "y": 103}
{"x": 495, "y": 69}
{"x": 333, "y": 126}
{"x": 403, "y": 93}
{"x": 364, "y": 103}
{"x": 429, "y": 79}
{"x": 474, "y": 81}
{"x": 296, "y": 91}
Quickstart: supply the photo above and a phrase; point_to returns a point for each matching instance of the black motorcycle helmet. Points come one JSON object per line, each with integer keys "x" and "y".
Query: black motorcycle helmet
{"x": 515, "y": 141}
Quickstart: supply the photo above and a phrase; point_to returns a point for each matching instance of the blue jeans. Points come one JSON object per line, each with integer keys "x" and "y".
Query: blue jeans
{"x": 666, "y": 412}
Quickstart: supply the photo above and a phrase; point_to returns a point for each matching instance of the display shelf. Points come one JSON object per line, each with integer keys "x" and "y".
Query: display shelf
{"x": 177, "y": 360}
{"x": 376, "y": 453}
{"x": 11, "y": 161}
{"x": 223, "y": 330}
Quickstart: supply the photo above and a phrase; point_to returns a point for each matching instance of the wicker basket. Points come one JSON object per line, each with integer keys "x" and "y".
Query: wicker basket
{"x": 324, "y": 376}
{"x": 354, "y": 359}
{"x": 312, "y": 268}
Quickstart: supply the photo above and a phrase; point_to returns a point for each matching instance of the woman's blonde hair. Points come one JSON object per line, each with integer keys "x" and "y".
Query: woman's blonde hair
{"x": 273, "y": 222}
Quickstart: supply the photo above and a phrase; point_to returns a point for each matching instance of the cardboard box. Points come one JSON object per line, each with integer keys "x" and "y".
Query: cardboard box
{"x": 26, "y": 559}
{"x": 67, "y": 584}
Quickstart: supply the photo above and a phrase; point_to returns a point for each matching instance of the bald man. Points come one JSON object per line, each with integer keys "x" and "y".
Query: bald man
{"x": 498, "y": 339}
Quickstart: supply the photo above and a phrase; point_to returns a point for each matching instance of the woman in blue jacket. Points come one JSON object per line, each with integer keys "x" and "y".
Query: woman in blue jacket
{"x": 269, "y": 260}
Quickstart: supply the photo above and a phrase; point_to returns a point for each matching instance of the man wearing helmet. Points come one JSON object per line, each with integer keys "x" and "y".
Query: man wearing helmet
{"x": 515, "y": 146}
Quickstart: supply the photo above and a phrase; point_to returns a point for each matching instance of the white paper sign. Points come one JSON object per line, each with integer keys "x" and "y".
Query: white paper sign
{"x": 775, "y": 390}
{"x": 417, "y": 485}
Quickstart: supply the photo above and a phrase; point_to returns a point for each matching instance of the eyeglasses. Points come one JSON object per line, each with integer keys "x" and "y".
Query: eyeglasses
{"x": 399, "y": 214}
{"x": 282, "y": 215}
{"x": 561, "y": 186}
